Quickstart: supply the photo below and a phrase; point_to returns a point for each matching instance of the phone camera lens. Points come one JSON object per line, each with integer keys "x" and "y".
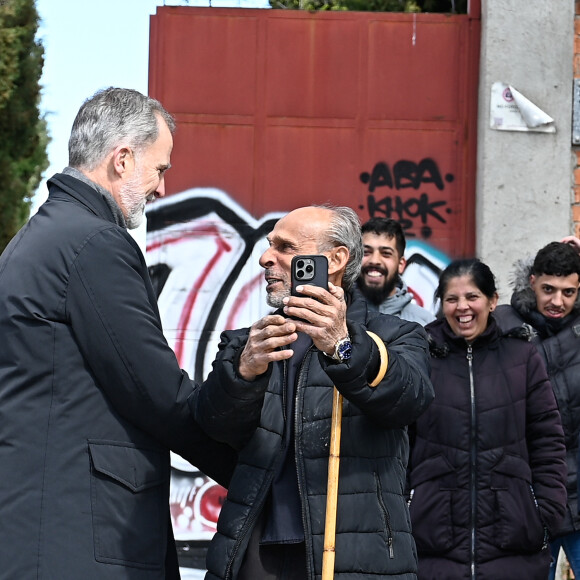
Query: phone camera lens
{"x": 309, "y": 269}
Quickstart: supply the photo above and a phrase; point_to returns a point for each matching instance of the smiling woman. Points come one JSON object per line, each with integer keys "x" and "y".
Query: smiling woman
{"x": 487, "y": 467}
{"x": 468, "y": 296}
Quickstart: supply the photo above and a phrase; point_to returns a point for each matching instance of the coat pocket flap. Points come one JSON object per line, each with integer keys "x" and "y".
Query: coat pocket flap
{"x": 136, "y": 468}
{"x": 513, "y": 466}
{"x": 432, "y": 468}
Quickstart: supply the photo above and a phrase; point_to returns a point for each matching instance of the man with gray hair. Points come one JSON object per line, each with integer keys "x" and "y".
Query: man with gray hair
{"x": 271, "y": 398}
{"x": 91, "y": 396}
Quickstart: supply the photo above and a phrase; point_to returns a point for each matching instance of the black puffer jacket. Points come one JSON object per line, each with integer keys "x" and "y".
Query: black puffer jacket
{"x": 560, "y": 349}
{"x": 487, "y": 467}
{"x": 373, "y": 525}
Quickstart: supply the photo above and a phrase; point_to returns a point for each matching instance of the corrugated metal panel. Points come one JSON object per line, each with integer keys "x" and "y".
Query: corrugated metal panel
{"x": 284, "y": 108}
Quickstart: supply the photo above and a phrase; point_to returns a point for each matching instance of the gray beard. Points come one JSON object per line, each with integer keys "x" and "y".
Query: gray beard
{"x": 275, "y": 300}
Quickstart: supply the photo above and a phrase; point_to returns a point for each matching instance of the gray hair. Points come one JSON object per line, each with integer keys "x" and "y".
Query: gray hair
{"x": 110, "y": 117}
{"x": 344, "y": 230}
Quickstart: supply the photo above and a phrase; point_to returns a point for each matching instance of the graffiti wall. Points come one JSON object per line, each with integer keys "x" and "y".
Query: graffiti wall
{"x": 280, "y": 109}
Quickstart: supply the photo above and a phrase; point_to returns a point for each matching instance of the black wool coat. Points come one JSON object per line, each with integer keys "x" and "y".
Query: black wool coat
{"x": 91, "y": 401}
{"x": 487, "y": 468}
{"x": 373, "y": 536}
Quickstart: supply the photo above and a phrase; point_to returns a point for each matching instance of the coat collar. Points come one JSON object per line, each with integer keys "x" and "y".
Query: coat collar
{"x": 442, "y": 339}
{"x": 96, "y": 199}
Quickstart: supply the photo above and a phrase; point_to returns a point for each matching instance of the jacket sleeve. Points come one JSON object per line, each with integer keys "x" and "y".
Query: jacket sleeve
{"x": 406, "y": 389}
{"x": 112, "y": 312}
{"x": 546, "y": 446}
{"x": 227, "y": 406}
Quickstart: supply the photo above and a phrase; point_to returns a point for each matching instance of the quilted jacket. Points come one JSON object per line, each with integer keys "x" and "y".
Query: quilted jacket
{"x": 487, "y": 466}
{"x": 373, "y": 536}
{"x": 560, "y": 350}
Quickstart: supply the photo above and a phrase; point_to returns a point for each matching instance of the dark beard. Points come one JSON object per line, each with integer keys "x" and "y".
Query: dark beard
{"x": 377, "y": 294}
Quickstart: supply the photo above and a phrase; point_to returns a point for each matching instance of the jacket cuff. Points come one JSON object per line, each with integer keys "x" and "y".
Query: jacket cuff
{"x": 364, "y": 363}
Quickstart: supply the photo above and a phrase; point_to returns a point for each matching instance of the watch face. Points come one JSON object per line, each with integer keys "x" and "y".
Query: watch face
{"x": 344, "y": 349}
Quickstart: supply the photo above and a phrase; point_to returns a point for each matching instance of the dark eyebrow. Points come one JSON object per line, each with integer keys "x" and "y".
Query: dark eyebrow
{"x": 380, "y": 248}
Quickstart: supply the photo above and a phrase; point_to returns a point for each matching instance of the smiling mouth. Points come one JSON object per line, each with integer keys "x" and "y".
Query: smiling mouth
{"x": 554, "y": 313}
{"x": 465, "y": 319}
{"x": 373, "y": 276}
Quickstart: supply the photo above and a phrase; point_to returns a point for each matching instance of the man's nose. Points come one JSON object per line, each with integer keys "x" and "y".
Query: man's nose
{"x": 266, "y": 259}
{"x": 557, "y": 299}
{"x": 374, "y": 257}
{"x": 160, "y": 191}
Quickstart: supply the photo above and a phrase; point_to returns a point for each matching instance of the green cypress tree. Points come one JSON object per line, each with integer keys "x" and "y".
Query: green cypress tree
{"x": 23, "y": 132}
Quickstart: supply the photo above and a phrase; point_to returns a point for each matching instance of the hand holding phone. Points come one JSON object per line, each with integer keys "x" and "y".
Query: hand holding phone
{"x": 312, "y": 269}
{"x": 326, "y": 323}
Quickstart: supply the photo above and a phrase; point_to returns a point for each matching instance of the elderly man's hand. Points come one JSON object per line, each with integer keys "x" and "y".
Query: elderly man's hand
{"x": 263, "y": 345}
{"x": 321, "y": 314}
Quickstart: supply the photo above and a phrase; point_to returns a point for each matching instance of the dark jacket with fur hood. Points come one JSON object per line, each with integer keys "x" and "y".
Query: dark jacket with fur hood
{"x": 487, "y": 466}
{"x": 559, "y": 345}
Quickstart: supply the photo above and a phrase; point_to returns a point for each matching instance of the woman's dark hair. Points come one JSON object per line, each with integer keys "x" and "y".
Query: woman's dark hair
{"x": 479, "y": 272}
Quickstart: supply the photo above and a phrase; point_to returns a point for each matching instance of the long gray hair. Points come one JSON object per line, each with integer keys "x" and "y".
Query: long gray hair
{"x": 344, "y": 230}
{"x": 110, "y": 117}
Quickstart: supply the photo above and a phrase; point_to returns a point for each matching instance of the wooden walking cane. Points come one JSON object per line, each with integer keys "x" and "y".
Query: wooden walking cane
{"x": 329, "y": 552}
{"x": 332, "y": 487}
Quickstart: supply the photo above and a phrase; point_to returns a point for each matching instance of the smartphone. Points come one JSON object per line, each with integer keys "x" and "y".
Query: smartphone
{"x": 309, "y": 270}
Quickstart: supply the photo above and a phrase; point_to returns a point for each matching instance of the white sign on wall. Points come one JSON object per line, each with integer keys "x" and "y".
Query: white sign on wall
{"x": 511, "y": 111}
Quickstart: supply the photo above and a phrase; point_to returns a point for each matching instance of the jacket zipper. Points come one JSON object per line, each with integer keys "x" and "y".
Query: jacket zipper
{"x": 546, "y": 535}
{"x": 473, "y": 458}
{"x": 254, "y": 515}
{"x": 249, "y": 525}
{"x": 386, "y": 515}
{"x": 307, "y": 544}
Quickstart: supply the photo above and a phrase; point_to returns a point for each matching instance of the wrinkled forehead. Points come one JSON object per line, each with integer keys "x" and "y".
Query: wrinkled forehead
{"x": 301, "y": 226}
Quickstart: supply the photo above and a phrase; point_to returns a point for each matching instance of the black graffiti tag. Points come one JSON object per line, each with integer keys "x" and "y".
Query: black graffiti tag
{"x": 407, "y": 174}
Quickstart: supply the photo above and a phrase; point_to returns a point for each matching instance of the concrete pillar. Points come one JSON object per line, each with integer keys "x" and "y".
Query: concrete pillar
{"x": 524, "y": 180}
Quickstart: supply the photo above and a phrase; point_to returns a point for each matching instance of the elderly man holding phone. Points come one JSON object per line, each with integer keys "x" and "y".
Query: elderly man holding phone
{"x": 271, "y": 398}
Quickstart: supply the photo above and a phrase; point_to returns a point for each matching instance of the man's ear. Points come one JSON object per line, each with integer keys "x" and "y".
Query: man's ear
{"x": 402, "y": 264}
{"x": 123, "y": 159}
{"x": 338, "y": 259}
{"x": 532, "y": 280}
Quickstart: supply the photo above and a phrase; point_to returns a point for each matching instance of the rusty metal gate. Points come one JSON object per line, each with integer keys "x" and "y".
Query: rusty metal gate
{"x": 277, "y": 109}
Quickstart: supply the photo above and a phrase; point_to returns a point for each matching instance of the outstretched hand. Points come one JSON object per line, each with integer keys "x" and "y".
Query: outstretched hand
{"x": 265, "y": 340}
{"x": 320, "y": 313}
